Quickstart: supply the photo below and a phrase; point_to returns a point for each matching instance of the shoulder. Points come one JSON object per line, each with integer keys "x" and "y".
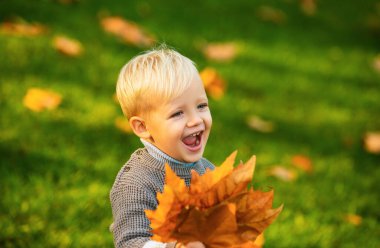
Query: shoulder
{"x": 136, "y": 173}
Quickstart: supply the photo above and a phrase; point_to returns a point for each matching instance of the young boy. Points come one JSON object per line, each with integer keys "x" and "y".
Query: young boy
{"x": 162, "y": 95}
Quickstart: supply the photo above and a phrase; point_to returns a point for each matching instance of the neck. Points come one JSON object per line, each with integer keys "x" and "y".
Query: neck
{"x": 163, "y": 157}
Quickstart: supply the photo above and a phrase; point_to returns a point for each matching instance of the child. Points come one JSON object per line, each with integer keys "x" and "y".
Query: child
{"x": 162, "y": 95}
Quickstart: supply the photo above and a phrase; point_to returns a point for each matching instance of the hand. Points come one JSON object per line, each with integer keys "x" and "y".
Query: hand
{"x": 195, "y": 244}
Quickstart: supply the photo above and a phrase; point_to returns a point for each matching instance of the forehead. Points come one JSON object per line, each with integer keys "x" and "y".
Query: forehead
{"x": 194, "y": 93}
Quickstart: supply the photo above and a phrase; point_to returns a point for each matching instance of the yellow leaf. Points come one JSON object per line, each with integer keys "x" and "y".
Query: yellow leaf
{"x": 67, "y": 46}
{"x": 260, "y": 240}
{"x": 128, "y": 31}
{"x": 213, "y": 82}
{"x": 221, "y": 52}
{"x": 38, "y": 100}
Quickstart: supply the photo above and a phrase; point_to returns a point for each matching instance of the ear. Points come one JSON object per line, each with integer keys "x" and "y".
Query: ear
{"x": 138, "y": 126}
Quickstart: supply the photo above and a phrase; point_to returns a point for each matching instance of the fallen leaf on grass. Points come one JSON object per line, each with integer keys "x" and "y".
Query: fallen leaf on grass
{"x": 122, "y": 124}
{"x": 303, "y": 162}
{"x": 372, "y": 142}
{"x": 309, "y": 7}
{"x": 128, "y": 31}
{"x": 221, "y": 52}
{"x": 38, "y": 100}
{"x": 217, "y": 209}
{"x": 283, "y": 173}
{"x": 353, "y": 219}
{"x": 67, "y": 46}
{"x": 373, "y": 23}
{"x": 22, "y": 28}
{"x": 213, "y": 82}
{"x": 376, "y": 63}
{"x": 270, "y": 14}
{"x": 258, "y": 124}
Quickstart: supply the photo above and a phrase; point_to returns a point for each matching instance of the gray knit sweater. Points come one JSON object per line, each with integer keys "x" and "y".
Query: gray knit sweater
{"x": 135, "y": 189}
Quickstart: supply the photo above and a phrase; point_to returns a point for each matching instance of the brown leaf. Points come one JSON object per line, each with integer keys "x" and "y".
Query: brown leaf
{"x": 309, "y": 7}
{"x": 221, "y": 52}
{"x": 258, "y": 124}
{"x": 38, "y": 100}
{"x": 22, "y": 28}
{"x": 372, "y": 142}
{"x": 213, "y": 227}
{"x": 213, "y": 82}
{"x": 376, "y": 63}
{"x": 270, "y": 14}
{"x": 67, "y": 46}
{"x": 353, "y": 219}
{"x": 283, "y": 173}
{"x": 234, "y": 217}
{"x": 254, "y": 213}
{"x": 373, "y": 23}
{"x": 128, "y": 31}
{"x": 303, "y": 162}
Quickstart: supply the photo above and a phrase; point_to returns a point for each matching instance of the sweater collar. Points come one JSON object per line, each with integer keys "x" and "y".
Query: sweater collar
{"x": 163, "y": 157}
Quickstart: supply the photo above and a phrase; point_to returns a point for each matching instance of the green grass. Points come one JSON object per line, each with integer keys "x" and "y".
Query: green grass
{"x": 311, "y": 76}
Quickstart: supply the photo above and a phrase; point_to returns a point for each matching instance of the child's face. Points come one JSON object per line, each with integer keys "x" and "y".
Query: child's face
{"x": 181, "y": 127}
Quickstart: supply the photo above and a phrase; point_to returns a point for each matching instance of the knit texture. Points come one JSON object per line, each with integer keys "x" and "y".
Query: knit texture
{"x": 135, "y": 189}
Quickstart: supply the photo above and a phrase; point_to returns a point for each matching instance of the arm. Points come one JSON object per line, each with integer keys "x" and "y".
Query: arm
{"x": 131, "y": 227}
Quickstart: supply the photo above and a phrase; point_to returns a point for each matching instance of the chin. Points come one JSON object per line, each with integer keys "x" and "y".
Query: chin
{"x": 193, "y": 158}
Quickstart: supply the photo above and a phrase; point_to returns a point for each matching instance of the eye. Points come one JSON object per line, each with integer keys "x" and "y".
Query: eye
{"x": 202, "y": 106}
{"x": 176, "y": 114}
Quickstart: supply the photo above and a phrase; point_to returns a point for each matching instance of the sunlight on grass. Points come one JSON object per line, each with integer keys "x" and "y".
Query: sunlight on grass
{"x": 312, "y": 77}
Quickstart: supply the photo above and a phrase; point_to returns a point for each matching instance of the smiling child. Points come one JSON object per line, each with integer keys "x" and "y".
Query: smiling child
{"x": 162, "y": 95}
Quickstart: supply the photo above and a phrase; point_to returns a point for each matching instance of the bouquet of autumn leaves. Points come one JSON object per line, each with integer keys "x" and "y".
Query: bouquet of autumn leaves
{"x": 217, "y": 209}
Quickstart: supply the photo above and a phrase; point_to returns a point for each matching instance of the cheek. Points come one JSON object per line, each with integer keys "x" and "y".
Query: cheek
{"x": 208, "y": 121}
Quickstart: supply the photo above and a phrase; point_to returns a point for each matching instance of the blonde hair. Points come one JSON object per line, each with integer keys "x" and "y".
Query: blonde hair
{"x": 151, "y": 78}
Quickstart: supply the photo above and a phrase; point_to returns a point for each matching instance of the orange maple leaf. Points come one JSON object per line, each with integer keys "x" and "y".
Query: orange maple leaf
{"x": 217, "y": 209}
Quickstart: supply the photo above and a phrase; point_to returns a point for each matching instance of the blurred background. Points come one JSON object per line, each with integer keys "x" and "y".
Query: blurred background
{"x": 296, "y": 82}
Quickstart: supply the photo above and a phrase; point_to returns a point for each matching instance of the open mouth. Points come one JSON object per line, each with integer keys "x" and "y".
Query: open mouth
{"x": 193, "y": 141}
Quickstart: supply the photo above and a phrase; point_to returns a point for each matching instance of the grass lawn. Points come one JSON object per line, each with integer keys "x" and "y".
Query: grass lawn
{"x": 311, "y": 76}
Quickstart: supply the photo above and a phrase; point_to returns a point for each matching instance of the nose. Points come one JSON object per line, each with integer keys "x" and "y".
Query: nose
{"x": 194, "y": 120}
